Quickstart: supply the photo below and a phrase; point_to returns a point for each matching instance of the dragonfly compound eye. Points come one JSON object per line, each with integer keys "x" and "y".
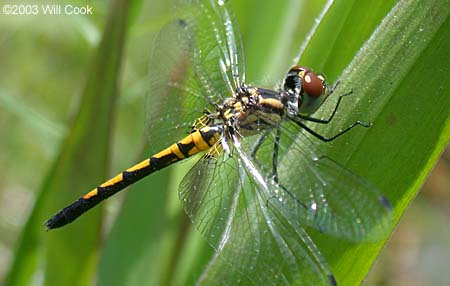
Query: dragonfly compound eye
{"x": 310, "y": 88}
{"x": 312, "y": 84}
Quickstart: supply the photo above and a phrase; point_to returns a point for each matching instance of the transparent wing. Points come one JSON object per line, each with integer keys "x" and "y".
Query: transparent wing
{"x": 196, "y": 60}
{"x": 175, "y": 97}
{"x": 321, "y": 193}
{"x": 236, "y": 64}
{"x": 231, "y": 206}
{"x": 220, "y": 52}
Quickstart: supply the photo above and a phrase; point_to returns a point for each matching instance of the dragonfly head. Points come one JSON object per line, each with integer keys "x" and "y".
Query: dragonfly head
{"x": 309, "y": 89}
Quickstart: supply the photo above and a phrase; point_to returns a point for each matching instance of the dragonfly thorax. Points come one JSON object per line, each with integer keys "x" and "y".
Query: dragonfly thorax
{"x": 255, "y": 109}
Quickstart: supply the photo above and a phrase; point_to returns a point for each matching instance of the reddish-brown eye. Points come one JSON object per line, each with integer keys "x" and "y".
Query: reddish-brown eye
{"x": 312, "y": 84}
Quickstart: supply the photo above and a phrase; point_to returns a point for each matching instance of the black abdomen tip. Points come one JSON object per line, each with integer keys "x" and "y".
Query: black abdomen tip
{"x": 69, "y": 213}
{"x": 58, "y": 220}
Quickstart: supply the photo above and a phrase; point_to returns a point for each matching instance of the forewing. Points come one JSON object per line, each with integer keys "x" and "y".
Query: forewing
{"x": 175, "y": 96}
{"x": 196, "y": 61}
{"x": 219, "y": 50}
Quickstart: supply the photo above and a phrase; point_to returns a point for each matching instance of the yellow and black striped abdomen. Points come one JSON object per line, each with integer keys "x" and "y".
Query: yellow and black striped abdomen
{"x": 192, "y": 144}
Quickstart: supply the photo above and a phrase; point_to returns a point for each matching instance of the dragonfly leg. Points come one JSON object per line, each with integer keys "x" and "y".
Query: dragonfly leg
{"x": 275, "y": 167}
{"x": 275, "y": 152}
{"x": 259, "y": 143}
{"x": 275, "y": 155}
{"x": 286, "y": 191}
{"x": 328, "y": 139}
{"x": 326, "y": 121}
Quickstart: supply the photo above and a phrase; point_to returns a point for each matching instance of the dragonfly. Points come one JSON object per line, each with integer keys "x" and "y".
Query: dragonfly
{"x": 260, "y": 183}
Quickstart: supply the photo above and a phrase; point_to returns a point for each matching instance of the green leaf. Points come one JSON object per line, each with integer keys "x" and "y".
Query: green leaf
{"x": 80, "y": 164}
{"x": 400, "y": 81}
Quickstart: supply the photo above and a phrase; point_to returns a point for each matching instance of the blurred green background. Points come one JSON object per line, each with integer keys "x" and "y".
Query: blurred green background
{"x": 46, "y": 64}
